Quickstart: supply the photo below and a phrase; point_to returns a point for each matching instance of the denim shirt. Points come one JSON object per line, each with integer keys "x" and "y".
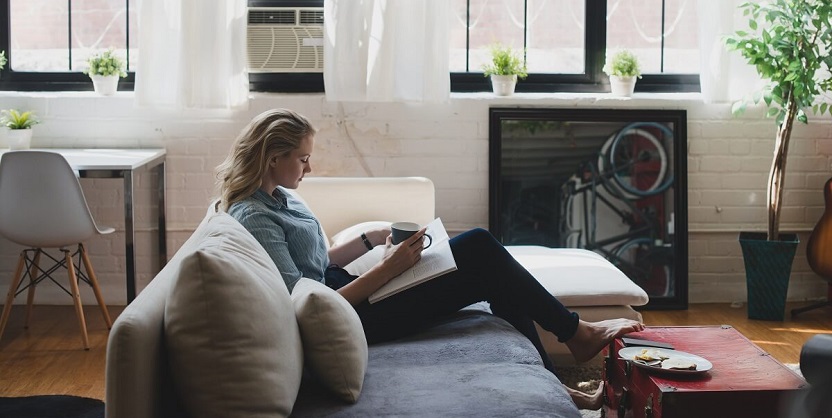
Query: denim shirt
{"x": 288, "y": 231}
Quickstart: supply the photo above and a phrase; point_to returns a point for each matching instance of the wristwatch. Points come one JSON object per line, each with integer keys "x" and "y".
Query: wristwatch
{"x": 366, "y": 241}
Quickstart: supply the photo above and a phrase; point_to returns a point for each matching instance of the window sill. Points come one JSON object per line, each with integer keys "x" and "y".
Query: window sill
{"x": 577, "y": 99}
{"x": 580, "y": 98}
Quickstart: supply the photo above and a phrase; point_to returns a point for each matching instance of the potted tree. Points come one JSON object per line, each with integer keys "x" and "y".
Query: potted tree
{"x": 105, "y": 69}
{"x": 623, "y": 68}
{"x": 18, "y": 128}
{"x": 505, "y": 68}
{"x": 788, "y": 42}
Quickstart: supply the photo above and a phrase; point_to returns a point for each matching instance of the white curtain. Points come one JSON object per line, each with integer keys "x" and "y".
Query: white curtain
{"x": 192, "y": 54}
{"x": 386, "y": 50}
{"x": 724, "y": 75}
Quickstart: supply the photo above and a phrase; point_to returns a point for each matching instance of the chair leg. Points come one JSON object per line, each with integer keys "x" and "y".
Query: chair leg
{"x": 827, "y": 303}
{"x": 95, "y": 288}
{"x": 7, "y": 308}
{"x": 76, "y": 298}
{"x": 30, "y": 297}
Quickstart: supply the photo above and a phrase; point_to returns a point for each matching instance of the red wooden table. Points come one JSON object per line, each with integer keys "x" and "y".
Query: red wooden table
{"x": 745, "y": 381}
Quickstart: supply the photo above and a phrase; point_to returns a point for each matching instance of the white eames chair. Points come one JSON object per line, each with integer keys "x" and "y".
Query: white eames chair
{"x": 42, "y": 206}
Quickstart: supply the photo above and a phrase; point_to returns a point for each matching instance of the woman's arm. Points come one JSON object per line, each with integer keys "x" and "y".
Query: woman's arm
{"x": 397, "y": 259}
{"x": 349, "y": 251}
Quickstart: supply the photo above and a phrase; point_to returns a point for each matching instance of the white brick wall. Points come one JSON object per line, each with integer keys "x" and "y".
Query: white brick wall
{"x": 728, "y": 160}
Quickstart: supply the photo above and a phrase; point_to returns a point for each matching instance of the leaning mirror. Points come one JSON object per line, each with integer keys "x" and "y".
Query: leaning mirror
{"x": 609, "y": 180}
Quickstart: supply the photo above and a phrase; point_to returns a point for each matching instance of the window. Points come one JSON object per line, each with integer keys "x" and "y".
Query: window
{"x": 566, "y": 41}
{"x": 48, "y": 42}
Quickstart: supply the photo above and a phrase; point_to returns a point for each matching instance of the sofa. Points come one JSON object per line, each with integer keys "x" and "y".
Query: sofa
{"x": 216, "y": 333}
{"x": 582, "y": 280}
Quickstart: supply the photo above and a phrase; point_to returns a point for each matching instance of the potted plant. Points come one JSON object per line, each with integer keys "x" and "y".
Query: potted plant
{"x": 505, "y": 68}
{"x": 18, "y": 128}
{"x": 623, "y": 69}
{"x": 2, "y": 60}
{"x": 105, "y": 69}
{"x": 788, "y": 42}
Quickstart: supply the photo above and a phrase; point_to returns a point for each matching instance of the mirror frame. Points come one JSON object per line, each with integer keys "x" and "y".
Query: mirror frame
{"x": 678, "y": 120}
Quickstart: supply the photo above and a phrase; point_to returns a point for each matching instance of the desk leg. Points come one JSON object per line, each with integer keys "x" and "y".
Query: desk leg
{"x": 129, "y": 235}
{"x": 163, "y": 246}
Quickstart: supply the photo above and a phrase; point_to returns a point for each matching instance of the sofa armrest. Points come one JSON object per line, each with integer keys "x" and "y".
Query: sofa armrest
{"x": 341, "y": 202}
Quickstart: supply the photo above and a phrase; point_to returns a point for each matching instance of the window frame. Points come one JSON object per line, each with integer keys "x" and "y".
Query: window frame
{"x": 594, "y": 80}
{"x": 44, "y": 80}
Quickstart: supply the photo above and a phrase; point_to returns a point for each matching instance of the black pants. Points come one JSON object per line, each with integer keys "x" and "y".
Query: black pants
{"x": 486, "y": 272}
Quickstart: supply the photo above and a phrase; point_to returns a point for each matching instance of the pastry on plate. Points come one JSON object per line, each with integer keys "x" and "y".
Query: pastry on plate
{"x": 678, "y": 363}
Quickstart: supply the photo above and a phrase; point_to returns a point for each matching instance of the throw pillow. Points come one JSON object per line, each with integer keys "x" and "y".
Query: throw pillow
{"x": 232, "y": 338}
{"x": 334, "y": 344}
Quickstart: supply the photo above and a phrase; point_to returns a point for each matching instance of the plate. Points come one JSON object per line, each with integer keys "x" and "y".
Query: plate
{"x": 702, "y": 365}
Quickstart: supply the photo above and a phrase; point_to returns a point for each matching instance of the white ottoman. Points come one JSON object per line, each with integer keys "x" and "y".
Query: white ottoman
{"x": 585, "y": 282}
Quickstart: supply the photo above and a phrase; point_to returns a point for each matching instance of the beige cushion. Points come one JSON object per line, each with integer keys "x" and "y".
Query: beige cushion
{"x": 578, "y": 277}
{"x": 341, "y": 202}
{"x": 232, "y": 339}
{"x": 334, "y": 344}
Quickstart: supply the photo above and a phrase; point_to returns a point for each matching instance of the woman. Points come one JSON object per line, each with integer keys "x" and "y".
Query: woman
{"x": 272, "y": 154}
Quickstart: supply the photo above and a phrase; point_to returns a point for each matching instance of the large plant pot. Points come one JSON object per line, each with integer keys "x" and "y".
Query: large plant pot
{"x": 105, "y": 85}
{"x": 18, "y": 139}
{"x": 768, "y": 265}
{"x": 503, "y": 85}
{"x": 622, "y": 86}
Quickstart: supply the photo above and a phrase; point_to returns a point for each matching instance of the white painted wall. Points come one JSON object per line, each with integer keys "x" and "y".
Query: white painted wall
{"x": 728, "y": 159}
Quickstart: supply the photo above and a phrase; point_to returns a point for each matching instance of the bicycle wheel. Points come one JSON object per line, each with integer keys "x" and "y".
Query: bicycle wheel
{"x": 637, "y": 161}
{"x": 647, "y": 265}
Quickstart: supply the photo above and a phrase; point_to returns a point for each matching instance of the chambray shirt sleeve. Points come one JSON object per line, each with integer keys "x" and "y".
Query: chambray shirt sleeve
{"x": 273, "y": 238}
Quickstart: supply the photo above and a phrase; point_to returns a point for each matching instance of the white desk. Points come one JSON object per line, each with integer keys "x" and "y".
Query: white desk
{"x": 124, "y": 164}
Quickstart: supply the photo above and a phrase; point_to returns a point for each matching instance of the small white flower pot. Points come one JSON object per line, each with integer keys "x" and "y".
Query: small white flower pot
{"x": 19, "y": 138}
{"x": 503, "y": 85}
{"x": 622, "y": 86}
{"x": 105, "y": 85}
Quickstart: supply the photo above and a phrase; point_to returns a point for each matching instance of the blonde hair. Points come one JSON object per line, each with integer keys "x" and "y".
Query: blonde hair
{"x": 274, "y": 132}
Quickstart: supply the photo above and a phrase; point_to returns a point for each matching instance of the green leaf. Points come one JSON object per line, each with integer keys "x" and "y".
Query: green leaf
{"x": 772, "y": 111}
{"x": 801, "y": 116}
{"x": 752, "y": 24}
{"x": 738, "y": 108}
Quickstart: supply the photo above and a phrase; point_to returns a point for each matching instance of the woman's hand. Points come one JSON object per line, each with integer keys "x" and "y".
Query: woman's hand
{"x": 396, "y": 259}
{"x": 400, "y": 257}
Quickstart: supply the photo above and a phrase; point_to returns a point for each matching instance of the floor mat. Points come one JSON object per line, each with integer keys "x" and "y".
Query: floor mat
{"x": 51, "y": 406}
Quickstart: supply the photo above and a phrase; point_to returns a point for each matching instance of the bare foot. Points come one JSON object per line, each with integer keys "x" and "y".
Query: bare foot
{"x": 592, "y": 401}
{"x": 592, "y": 337}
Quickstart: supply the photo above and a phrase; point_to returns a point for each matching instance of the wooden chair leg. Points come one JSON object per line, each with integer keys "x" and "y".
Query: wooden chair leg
{"x": 7, "y": 308}
{"x": 95, "y": 288}
{"x": 30, "y": 298}
{"x": 76, "y": 298}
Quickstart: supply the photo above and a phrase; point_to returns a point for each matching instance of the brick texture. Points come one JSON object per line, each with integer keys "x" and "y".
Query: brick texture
{"x": 727, "y": 166}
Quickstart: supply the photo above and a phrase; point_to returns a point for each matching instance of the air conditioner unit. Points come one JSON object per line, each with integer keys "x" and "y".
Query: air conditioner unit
{"x": 285, "y": 39}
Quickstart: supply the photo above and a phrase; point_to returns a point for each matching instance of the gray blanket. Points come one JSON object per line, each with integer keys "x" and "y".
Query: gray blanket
{"x": 471, "y": 365}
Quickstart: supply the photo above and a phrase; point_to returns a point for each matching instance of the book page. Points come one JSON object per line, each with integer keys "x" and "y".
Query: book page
{"x": 436, "y": 260}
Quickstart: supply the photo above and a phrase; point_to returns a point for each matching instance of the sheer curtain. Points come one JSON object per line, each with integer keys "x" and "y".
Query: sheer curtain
{"x": 386, "y": 50}
{"x": 724, "y": 75}
{"x": 192, "y": 54}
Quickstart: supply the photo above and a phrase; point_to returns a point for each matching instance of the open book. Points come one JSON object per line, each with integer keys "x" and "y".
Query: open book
{"x": 436, "y": 261}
